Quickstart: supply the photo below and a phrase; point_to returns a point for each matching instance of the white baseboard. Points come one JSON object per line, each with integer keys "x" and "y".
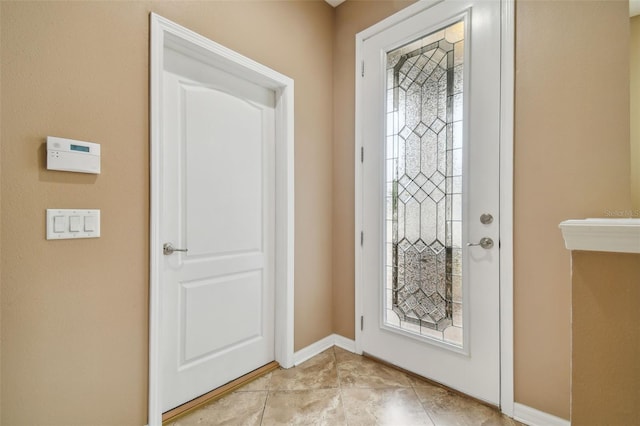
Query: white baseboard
{"x": 344, "y": 343}
{"x": 533, "y": 417}
{"x": 322, "y": 345}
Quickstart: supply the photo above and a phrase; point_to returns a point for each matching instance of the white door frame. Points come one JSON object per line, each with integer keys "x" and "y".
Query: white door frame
{"x": 507, "y": 55}
{"x": 166, "y": 34}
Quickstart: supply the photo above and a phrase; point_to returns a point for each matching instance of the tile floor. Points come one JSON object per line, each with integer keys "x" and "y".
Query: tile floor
{"x": 337, "y": 387}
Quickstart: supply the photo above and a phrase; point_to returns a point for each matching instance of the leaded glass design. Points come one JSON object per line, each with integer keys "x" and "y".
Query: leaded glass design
{"x": 424, "y": 185}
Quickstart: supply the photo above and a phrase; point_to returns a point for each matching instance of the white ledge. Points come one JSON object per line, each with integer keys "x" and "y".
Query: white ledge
{"x": 616, "y": 235}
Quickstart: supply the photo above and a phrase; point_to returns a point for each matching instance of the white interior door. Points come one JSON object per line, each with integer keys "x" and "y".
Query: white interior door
{"x": 217, "y": 202}
{"x": 429, "y": 108}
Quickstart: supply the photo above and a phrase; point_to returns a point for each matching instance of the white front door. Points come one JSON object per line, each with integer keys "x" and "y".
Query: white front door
{"x": 429, "y": 111}
{"x": 218, "y": 205}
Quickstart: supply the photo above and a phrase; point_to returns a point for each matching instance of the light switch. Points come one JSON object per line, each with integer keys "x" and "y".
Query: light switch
{"x": 59, "y": 224}
{"x": 65, "y": 224}
{"x": 75, "y": 223}
{"x": 89, "y": 223}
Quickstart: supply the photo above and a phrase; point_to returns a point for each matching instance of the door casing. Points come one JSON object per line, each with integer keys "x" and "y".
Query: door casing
{"x": 166, "y": 34}
{"x": 507, "y": 63}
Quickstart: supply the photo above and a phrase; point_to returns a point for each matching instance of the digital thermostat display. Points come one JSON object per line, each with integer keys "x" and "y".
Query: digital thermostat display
{"x": 70, "y": 155}
{"x": 80, "y": 148}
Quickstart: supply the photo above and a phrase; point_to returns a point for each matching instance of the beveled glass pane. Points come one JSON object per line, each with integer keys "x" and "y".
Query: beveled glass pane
{"x": 423, "y": 189}
{"x": 454, "y": 33}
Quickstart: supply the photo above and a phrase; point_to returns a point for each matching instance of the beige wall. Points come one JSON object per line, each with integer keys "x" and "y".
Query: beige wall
{"x": 571, "y": 161}
{"x": 74, "y": 313}
{"x": 606, "y": 339}
{"x": 634, "y": 48}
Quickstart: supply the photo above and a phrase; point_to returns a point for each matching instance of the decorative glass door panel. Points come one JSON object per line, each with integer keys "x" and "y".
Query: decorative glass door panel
{"x": 428, "y": 119}
{"x": 424, "y": 110}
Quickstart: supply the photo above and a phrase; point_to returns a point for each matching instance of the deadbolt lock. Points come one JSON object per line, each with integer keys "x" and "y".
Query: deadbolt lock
{"x": 486, "y": 218}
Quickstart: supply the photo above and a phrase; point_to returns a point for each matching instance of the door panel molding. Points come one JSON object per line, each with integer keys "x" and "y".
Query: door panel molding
{"x": 507, "y": 57}
{"x": 167, "y": 36}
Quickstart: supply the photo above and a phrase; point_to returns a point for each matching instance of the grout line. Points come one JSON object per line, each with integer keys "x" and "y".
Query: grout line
{"x": 344, "y": 411}
{"x": 216, "y": 394}
{"x": 422, "y": 405}
{"x": 266, "y": 400}
{"x": 337, "y": 369}
{"x": 264, "y": 407}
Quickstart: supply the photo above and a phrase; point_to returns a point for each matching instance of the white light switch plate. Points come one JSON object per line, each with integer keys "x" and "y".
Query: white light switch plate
{"x": 87, "y": 221}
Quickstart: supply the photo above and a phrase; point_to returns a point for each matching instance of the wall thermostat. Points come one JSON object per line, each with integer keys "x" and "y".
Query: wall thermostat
{"x": 73, "y": 156}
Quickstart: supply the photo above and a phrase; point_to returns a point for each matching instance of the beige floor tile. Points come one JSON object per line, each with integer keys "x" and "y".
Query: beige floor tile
{"x": 304, "y": 407}
{"x": 259, "y": 384}
{"x": 450, "y": 409}
{"x": 343, "y": 355}
{"x": 238, "y": 408}
{"x": 399, "y": 406}
{"x": 317, "y": 373}
{"x": 338, "y": 388}
{"x": 365, "y": 373}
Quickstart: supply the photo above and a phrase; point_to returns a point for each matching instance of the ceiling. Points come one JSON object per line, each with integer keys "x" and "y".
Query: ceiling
{"x": 634, "y": 6}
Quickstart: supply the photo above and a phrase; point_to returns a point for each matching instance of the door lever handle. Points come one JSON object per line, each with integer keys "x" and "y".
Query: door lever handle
{"x": 485, "y": 243}
{"x": 167, "y": 249}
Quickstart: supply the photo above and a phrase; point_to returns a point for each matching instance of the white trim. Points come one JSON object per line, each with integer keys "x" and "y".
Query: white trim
{"x": 344, "y": 343}
{"x": 634, "y": 8}
{"x": 532, "y": 417}
{"x": 335, "y": 3}
{"x": 322, "y": 345}
{"x": 400, "y": 16}
{"x": 507, "y": 88}
{"x": 358, "y": 191}
{"x": 313, "y": 349}
{"x": 155, "y": 131}
{"x": 506, "y": 185}
{"x": 164, "y": 34}
{"x": 614, "y": 235}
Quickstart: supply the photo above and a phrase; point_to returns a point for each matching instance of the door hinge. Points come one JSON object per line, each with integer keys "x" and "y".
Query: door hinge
{"x": 362, "y": 68}
{"x": 361, "y": 238}
{"x": 362, "y": 154}
{"x": 361, "y": 323}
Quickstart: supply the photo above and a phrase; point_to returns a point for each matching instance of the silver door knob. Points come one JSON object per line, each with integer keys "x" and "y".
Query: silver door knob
{"x": 167, "y": 249}
{"x": 485, "y": 243}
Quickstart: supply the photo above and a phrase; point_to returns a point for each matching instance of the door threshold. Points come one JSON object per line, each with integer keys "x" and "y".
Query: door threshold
{"x": 425, "y": 379}
{"x": 218, "y": 393}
